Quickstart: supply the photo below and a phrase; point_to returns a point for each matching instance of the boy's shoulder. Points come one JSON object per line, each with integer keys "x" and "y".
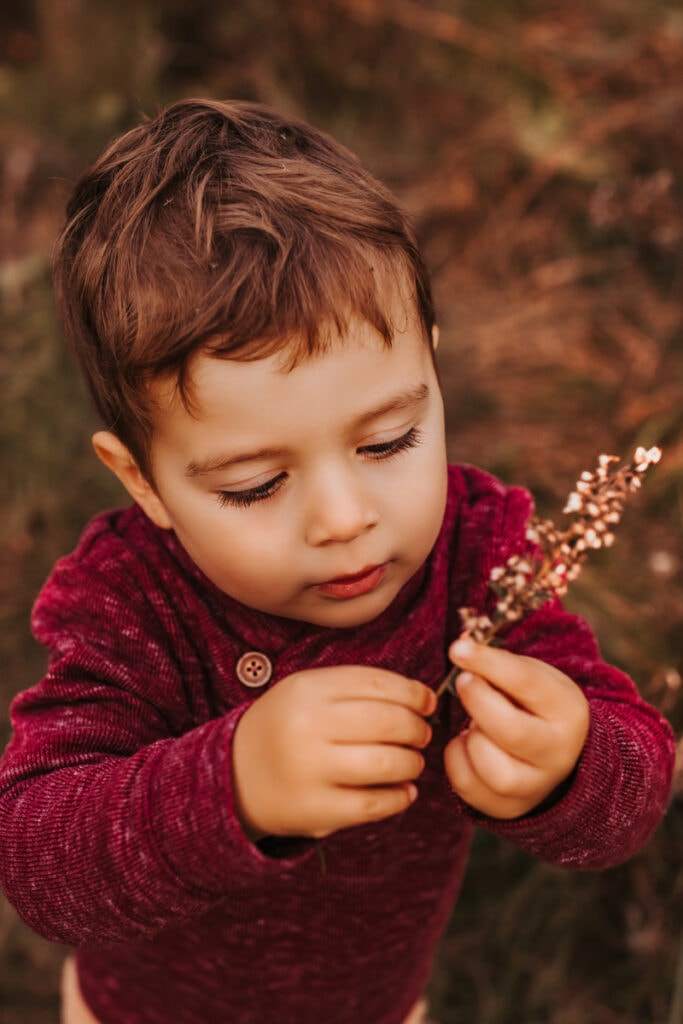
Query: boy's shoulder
{"x": 115, "y": 541}
{"x": 115, "y": 527}
{"x": 472, "y": 488}
{"x": 486, "y": 521}
{"x": 470, "y": 480}
{"x": 121, "y": 557}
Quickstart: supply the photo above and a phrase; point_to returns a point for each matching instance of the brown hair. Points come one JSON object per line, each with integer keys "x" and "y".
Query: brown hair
{"x": 227, "y": 227}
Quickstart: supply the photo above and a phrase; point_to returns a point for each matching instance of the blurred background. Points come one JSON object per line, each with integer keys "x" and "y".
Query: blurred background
{"x": 538, "y": 146}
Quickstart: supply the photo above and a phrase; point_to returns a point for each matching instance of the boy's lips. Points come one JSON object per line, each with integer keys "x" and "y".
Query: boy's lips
{"x": 344, "y": 587}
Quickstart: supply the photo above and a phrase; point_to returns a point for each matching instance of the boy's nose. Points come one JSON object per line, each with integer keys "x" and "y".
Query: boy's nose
{"x": 339, "y": 512}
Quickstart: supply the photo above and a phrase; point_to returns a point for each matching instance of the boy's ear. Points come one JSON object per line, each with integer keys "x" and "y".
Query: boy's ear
{"x": 435, "y": 337}
{"x": 116, "y": 457}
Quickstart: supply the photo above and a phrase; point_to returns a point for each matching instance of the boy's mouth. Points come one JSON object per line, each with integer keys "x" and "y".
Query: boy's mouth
{"x": 345, "y": 587}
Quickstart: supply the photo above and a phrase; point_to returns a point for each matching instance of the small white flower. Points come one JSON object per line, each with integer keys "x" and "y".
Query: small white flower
{"x": 646, "y": 457}
{"x": 525, "y": 583}
{"x": 574, "y": 503}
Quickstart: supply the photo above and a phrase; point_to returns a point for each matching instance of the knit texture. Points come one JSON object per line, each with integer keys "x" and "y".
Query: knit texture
{"x": 117, "y": 819}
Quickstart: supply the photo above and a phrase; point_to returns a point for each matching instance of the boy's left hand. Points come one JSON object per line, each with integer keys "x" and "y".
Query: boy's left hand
{"x": 529, "y": 725}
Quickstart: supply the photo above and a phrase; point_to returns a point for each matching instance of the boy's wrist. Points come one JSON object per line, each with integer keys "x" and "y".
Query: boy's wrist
{"x": 240, "y": 771}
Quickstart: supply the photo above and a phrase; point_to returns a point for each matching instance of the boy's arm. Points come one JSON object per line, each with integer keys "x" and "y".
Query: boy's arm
{"x": 100, "y": 845}
{"x": 618, "y": 791}
{"x": 117, "y": 816}
{"x": 120, "y": 815}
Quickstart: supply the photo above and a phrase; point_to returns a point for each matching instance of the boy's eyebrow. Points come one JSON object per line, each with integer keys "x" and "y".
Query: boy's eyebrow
{"x": 221, "y": 462}
{"x": 404, "y": 400}
{"x": 413, "y": 396}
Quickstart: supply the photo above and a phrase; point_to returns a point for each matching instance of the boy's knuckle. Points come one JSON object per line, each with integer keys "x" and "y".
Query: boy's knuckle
{"x": 378, "y": 684}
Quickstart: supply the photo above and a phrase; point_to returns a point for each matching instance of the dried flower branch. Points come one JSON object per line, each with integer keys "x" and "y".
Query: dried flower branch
{"x": 526, "y": 582}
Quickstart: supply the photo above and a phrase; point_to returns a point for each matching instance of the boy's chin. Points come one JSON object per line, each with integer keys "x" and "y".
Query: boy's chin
{"x": 348, "y": 614}
{"x": 344, "y": 620}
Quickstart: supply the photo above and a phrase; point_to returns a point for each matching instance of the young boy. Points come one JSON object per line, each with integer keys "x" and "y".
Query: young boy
{"x": 227, "y": 793}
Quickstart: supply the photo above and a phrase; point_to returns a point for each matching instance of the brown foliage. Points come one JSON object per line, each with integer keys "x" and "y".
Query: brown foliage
{"x": 539, "y": 149}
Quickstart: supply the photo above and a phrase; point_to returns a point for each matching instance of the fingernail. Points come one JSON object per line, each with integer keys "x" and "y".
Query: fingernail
{"x": 463, "y": 648}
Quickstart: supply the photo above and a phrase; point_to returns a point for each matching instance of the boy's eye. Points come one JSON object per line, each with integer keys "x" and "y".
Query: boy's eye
{"x": 242, "y": 499}
{"x": 388, "y": 448}
{"x": 384, "y": 450}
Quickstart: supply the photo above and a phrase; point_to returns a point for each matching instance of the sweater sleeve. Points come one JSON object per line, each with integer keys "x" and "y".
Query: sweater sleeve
{"x": 619, "y": 791}
{"x": 117, "y": 813}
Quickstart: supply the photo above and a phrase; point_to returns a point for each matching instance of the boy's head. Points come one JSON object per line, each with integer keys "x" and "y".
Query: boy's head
{"x": 227, "y": 228}
{"x": 255, "y": 324}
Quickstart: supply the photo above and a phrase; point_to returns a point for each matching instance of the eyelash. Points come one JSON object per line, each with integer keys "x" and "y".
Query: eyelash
{"x": 243, "y": 499}
{"x": 388, "y": 448}
{"x": 376, "y": 452}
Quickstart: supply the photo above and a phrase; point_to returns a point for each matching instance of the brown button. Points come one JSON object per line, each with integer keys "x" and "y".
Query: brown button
{"x": 254, "y": 669}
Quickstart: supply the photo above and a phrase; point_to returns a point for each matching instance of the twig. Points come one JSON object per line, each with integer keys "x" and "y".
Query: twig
{"x": 527, "y": 581}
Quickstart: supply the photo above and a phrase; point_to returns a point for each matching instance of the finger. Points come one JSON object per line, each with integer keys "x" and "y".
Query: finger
{"x": 461, "y": 772}
{"x": 377, "y": 722}
{"x": 512, "y": 728}
{"x": 500, "y": 772}
{"x": 375, "y": 765}
{"x": 536, "y": 686}
{"x": 464, "y": 777}
{"x": 362, "y": 683}
{"x": 361, "y": 806}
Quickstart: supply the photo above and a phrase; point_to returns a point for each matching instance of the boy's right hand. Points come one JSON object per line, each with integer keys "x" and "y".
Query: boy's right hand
{"x": 328, "y": 748}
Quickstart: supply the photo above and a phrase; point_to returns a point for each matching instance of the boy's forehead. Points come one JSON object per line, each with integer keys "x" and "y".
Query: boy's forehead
{"x": 280, "y": 360}
{"x": 357, "y": 371}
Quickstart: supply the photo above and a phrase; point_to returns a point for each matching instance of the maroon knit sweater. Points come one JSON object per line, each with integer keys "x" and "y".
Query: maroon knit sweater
{"x": 117, "y": 819}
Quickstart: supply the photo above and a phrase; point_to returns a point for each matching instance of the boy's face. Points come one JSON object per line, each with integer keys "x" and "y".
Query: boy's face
{"x": 313, "y": 493}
